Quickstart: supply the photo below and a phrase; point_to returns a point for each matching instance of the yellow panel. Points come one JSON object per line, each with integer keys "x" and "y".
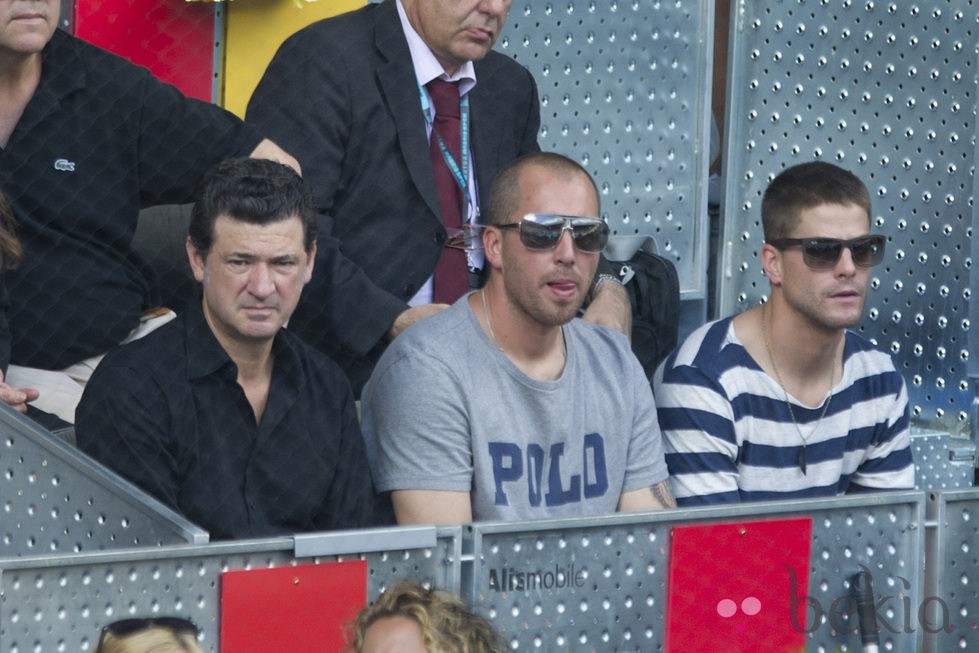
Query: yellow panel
{"x": 256, "y": 28}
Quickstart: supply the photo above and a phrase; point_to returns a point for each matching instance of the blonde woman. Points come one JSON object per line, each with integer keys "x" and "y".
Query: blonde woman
{"x": 411, "y": 619}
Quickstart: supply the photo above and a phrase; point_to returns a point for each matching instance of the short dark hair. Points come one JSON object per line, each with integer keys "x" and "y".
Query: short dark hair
{"x": 505, "y": 193}
{"x": 805, "y": 186}
{"x": 258, "y": 191}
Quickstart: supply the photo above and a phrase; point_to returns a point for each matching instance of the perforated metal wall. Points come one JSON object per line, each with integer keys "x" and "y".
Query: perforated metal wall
{"x": 625, "y": 561}
{"x": 624, "y": 89}
{"x": 67, "y": 14}
{"x": 55, "y": 500}
{"x": 942, "y": 462}
{"x": 886, "y": 90}
{"x": 59, "y": 605}
{"x": 955, "y": 564}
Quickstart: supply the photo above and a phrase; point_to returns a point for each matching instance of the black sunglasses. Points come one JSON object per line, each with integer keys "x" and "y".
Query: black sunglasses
{"x": 543, "y": 231}
{"x": 824, "y": 253}
{"x": 127, "y": 627}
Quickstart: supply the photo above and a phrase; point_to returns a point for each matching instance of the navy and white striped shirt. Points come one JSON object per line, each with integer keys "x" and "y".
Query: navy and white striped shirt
{"x": 730, "y": 437}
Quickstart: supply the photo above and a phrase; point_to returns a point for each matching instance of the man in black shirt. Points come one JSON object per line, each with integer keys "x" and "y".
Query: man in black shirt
{"x": 87, "y": 139}
{"x": 222, "y": 413}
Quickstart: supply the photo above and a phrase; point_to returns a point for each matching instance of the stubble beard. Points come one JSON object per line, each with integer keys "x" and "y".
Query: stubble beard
{"x": 814, "y": 312}
{"x": 532, "y": 304}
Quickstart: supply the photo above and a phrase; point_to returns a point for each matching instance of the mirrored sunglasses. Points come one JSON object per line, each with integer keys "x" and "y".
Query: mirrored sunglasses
{"x": 127, "y": 627}
{"x": 824, "y": 253}
{"x": 542, "y": 231}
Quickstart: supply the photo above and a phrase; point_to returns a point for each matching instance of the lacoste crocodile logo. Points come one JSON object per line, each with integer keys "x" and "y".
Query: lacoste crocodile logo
{"x": 64, "y": 165}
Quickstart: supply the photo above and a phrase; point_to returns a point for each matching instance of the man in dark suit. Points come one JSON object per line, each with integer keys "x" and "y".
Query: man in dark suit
{"x": 350, "y": 97}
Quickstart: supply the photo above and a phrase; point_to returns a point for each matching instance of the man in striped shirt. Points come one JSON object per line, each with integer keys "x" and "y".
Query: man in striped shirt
{"x": 782, "y": 401}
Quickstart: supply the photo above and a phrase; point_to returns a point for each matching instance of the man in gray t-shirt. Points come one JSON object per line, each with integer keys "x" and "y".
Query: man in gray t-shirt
{"x": 504, "y": 407}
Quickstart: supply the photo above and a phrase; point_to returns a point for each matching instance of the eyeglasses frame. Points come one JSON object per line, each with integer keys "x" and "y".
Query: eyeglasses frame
{"x": 784, "y": 243}
{"x": 569, "y": 224}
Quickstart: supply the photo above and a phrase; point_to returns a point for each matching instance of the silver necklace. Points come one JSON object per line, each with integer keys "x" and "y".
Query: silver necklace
{"x": 829, "y": 395}
{"x": 489, "y": 326}
{"x": 489, "y": 322}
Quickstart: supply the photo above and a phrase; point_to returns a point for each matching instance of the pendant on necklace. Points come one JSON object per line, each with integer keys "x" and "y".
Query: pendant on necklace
{"x": 802, "y": 459}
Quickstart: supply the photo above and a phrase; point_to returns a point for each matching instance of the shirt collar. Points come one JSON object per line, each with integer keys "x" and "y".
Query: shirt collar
{"x": 62, "y": 70}
{"x": 206, "y": 356}
{"x": 426, "y": 66}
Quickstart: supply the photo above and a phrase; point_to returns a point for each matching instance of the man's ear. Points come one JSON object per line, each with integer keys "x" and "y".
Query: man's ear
{"x": 196, "y": 260}
{"x": 492, "y": 247}
{"x": 310, "y": 261}
{"x": 771, "y": 263}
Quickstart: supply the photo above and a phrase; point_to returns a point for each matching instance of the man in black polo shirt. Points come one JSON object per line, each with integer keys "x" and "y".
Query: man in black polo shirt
{"x": 222, "y": 413}
{"x": 87, "y": 140}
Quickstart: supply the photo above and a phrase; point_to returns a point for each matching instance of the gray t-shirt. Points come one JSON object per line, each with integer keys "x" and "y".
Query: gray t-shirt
{"x": 446, "y": 410}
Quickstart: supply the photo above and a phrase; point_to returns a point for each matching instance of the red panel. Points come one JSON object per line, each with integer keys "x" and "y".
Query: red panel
{"x": 740, "y": 587}
{"x": 301, "y": 609}
{"x": 173, "y": 38}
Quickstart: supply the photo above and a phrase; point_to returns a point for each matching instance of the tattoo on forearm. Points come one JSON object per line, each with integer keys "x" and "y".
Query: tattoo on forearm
{"x": 662, "y": 493}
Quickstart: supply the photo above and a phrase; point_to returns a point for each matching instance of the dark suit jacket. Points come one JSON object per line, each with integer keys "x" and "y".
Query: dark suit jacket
{"x": 341, "y": 96}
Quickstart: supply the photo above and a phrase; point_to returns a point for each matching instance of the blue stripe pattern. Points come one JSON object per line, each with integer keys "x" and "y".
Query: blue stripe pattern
{"x": 730, "y": 437}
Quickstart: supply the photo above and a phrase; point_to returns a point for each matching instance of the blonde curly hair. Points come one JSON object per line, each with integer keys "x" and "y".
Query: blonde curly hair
{"x": 446, "y": 623}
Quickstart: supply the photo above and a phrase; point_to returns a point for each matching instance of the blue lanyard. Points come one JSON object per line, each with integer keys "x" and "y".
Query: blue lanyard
{"x": 459, "y": 172}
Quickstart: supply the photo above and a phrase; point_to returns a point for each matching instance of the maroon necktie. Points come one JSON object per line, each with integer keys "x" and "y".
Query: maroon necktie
{"x": 451, "y": 278}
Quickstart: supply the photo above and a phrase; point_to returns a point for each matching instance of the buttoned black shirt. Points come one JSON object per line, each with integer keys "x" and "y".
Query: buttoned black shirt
{"x": 167, "y": 413}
